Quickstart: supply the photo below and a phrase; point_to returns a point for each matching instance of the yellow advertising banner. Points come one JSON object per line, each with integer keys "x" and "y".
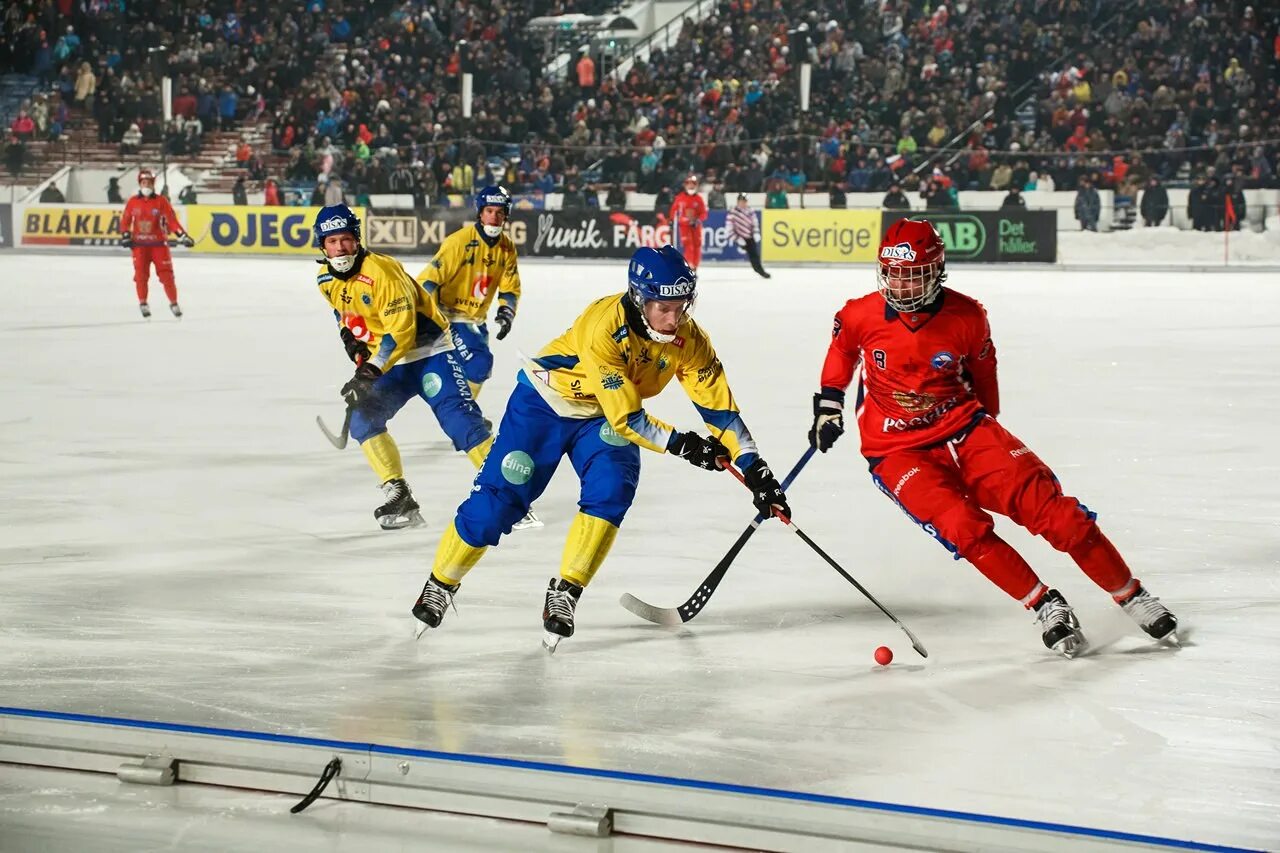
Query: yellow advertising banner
{"x": 68, "y": 225}
{"x": 830, "y": 236}
{"x": 253, "y": 230}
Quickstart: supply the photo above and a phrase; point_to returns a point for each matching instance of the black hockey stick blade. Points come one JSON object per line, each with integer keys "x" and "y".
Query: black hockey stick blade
{"x": 675, "y": 616}
{"x": 339, "y": 441}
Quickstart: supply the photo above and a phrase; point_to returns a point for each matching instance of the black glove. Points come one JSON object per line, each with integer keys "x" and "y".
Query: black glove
{"x": 355, "y": 347}
{"x": 186, "y": 239}
{"x": 705, "y": 453}
{"x": 504, "y": 318}
{"x": 828, "y": 419}
{"x": 360, "y": 386}
{"x": 766, "y": 493}
{"x": 126, "y": 240}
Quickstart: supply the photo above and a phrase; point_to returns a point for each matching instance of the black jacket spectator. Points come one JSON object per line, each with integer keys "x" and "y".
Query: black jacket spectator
{"x": 617, "y": 198}
{"x": 895, "y": 199}
{"x": 1155, "y": 203}
{"x": 839, "y": 201}
{"x": 1014, "y": 199}
{"x": 1088, "y": 205}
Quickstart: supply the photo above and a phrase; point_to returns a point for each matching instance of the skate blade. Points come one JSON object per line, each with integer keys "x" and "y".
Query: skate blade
{"x": 399, "y": 522}
{"x": 529, "y": 522}
{"x": 1071, "y": 647}
{"x": 419, "y": 628}
{"x": 550, "y": 641}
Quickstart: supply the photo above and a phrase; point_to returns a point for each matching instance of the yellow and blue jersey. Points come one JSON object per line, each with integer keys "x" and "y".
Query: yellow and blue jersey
{"x": 467, "y": 273}
{"x": 601, "y": 367}
{"x": 384, "y": 307}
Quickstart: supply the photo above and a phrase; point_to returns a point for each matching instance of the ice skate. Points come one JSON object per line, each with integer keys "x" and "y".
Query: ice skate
{"x": 400, "y": 510}
{"x": 1059, "y": 626}
{"x": 177, "y": 311}
{"x": 1151, "y": 616}
{"x": 557, "y": 613}
{"x": 145, "y": 309}
{"x": 432, "y": 604}
{"x": 529, "y": 521}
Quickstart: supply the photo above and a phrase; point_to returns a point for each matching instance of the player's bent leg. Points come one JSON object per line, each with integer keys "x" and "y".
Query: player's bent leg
{"x": 369, "y": 428}
{"x": 443, "y": 384}
{"x": 523, "y": 458}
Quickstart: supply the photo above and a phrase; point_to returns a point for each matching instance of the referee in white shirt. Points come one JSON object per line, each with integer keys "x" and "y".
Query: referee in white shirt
{"x": 744, "y": 225}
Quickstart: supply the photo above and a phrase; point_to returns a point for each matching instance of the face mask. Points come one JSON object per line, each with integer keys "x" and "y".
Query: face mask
{"x": 147, "y": 191}
{"x": 491, "y": 231}
{"x": 342, "y": 263}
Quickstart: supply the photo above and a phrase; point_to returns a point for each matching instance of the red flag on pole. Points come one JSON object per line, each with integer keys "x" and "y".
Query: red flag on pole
{"x": 1230, "y": 220}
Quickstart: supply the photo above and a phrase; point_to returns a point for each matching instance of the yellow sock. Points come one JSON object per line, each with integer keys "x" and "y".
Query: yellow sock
{"x": 475, "y": 388}
{"x": 454, "y": 558}
{"x": 383, "y": 456}
{"x": 587, "y": 545}
{"x": 479, "y": 452}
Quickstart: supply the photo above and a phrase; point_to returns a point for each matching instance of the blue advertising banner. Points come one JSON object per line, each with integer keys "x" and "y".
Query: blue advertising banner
{"x": 718, "y": 242}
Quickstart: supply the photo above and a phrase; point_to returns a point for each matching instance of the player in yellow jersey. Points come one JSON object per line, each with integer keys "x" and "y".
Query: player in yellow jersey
{"x": 584, "y": 398}
{"x": 396, "y": 334}
{"x": 474, "y": 265}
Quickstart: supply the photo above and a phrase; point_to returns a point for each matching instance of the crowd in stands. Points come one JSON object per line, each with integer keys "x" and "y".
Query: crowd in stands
{"x": 933, "y": 97}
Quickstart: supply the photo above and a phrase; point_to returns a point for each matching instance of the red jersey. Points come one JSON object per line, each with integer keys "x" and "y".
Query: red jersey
{"x": 688, "y": 209}
{"x": 149, "y": 219}
{"x": 925, "y": 375}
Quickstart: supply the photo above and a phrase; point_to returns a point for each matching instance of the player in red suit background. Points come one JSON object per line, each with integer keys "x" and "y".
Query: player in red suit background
{"x": 927, "y": 404}
{"x": 145, "y": 227}
{"x": 688, "y": 212}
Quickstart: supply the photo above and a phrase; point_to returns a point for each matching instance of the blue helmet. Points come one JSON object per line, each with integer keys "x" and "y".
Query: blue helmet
{"x": 660, "y": 275}
{"x": 334, "y": 219}
{"x": 494, "y": 196}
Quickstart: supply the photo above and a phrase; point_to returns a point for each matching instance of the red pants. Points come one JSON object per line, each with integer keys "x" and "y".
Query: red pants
{"x": 691, "y": 244}
{"x": 948, "y": 491}
{"x": 143, "y": 258}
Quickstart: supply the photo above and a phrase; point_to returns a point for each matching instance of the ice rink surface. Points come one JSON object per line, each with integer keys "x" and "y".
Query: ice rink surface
{"x": 180, "y": 543}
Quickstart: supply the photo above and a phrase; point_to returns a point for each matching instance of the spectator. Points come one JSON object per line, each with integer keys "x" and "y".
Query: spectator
{"x": 715, "y": 196}
{"x": 188, "y": 195}
{"x": 463, "y": 178}
{"x": 1088, "y": 205}
{"x": 662, "y": 201}
{"x": 228, "y": 103}
{"x": 23, "y": 127}
{"x": 113, "y": 191}
{"x": 1234, "y": 204}
{"x": 837, "y": 199}
{"x": 1198, "y": 204}
{"x": 1155, "y": 203}
{"x": 333, "y": 192}
{"x": 1002, "y": 177}
{"x": 572, "y": 201}
{"x": 776, "y": 198}
{"x": 15, "y": 155}
{"x": 86, "y": 85}
{"x": 586, "y": 69}
{"x": 131, "y": 142}
{"x": 271, "y": 193}
{"x": 1014, "y": 199}
{"x": 617, "y": 198}
{"x": 51, "y": 194}
{"x": 240, "y": 193}
{"x": 895, "y": 198}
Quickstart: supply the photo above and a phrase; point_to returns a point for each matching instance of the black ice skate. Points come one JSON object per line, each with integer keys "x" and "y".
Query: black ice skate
{"x": 557, "y": 613}
{"x": 432, "y": 604}
{"x": 177, "y": 312}
{"x": 1151, "y": 616}
{"x": 145, "y": 309}
{"x": 1058, "y": 623}
{"x": 400, "y": 510}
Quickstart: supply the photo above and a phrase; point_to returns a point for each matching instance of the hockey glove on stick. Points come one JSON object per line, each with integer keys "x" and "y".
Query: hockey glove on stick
{"x": 766, "y": 494}
{"x": 704, "y": 453}
{"x": 504, "y": 318}
{"x": 828, "y": 419}
{"x": 186, "y": 239}
{"x": 126, "y": 240}
{"x": 356, "y": 348}
{"x": 360, "y": 386}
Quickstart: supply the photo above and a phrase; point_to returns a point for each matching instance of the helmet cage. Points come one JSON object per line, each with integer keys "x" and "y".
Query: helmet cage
{"x": 909, "y": 287}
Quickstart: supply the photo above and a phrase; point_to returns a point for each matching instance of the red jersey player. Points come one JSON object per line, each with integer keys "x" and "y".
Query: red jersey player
{"x": 688, "y": 212}
{"x": 927, "y": 405}
{"x": 145, "y": 227}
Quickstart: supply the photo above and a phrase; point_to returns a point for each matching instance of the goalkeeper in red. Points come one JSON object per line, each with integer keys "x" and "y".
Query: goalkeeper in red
{"x": 927, "y": 403}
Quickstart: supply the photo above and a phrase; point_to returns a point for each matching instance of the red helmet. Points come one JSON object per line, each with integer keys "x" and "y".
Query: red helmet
{"x": 691, "y": 179}
{"x": 146, "y": 176}
{"x": 912, "y": 264}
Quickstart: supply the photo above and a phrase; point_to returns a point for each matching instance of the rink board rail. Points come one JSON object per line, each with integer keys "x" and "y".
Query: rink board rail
{"x": 638, "y": 804}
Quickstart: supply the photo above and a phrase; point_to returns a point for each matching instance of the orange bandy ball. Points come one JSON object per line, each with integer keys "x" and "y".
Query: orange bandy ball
{"x": 884, "y": 655}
